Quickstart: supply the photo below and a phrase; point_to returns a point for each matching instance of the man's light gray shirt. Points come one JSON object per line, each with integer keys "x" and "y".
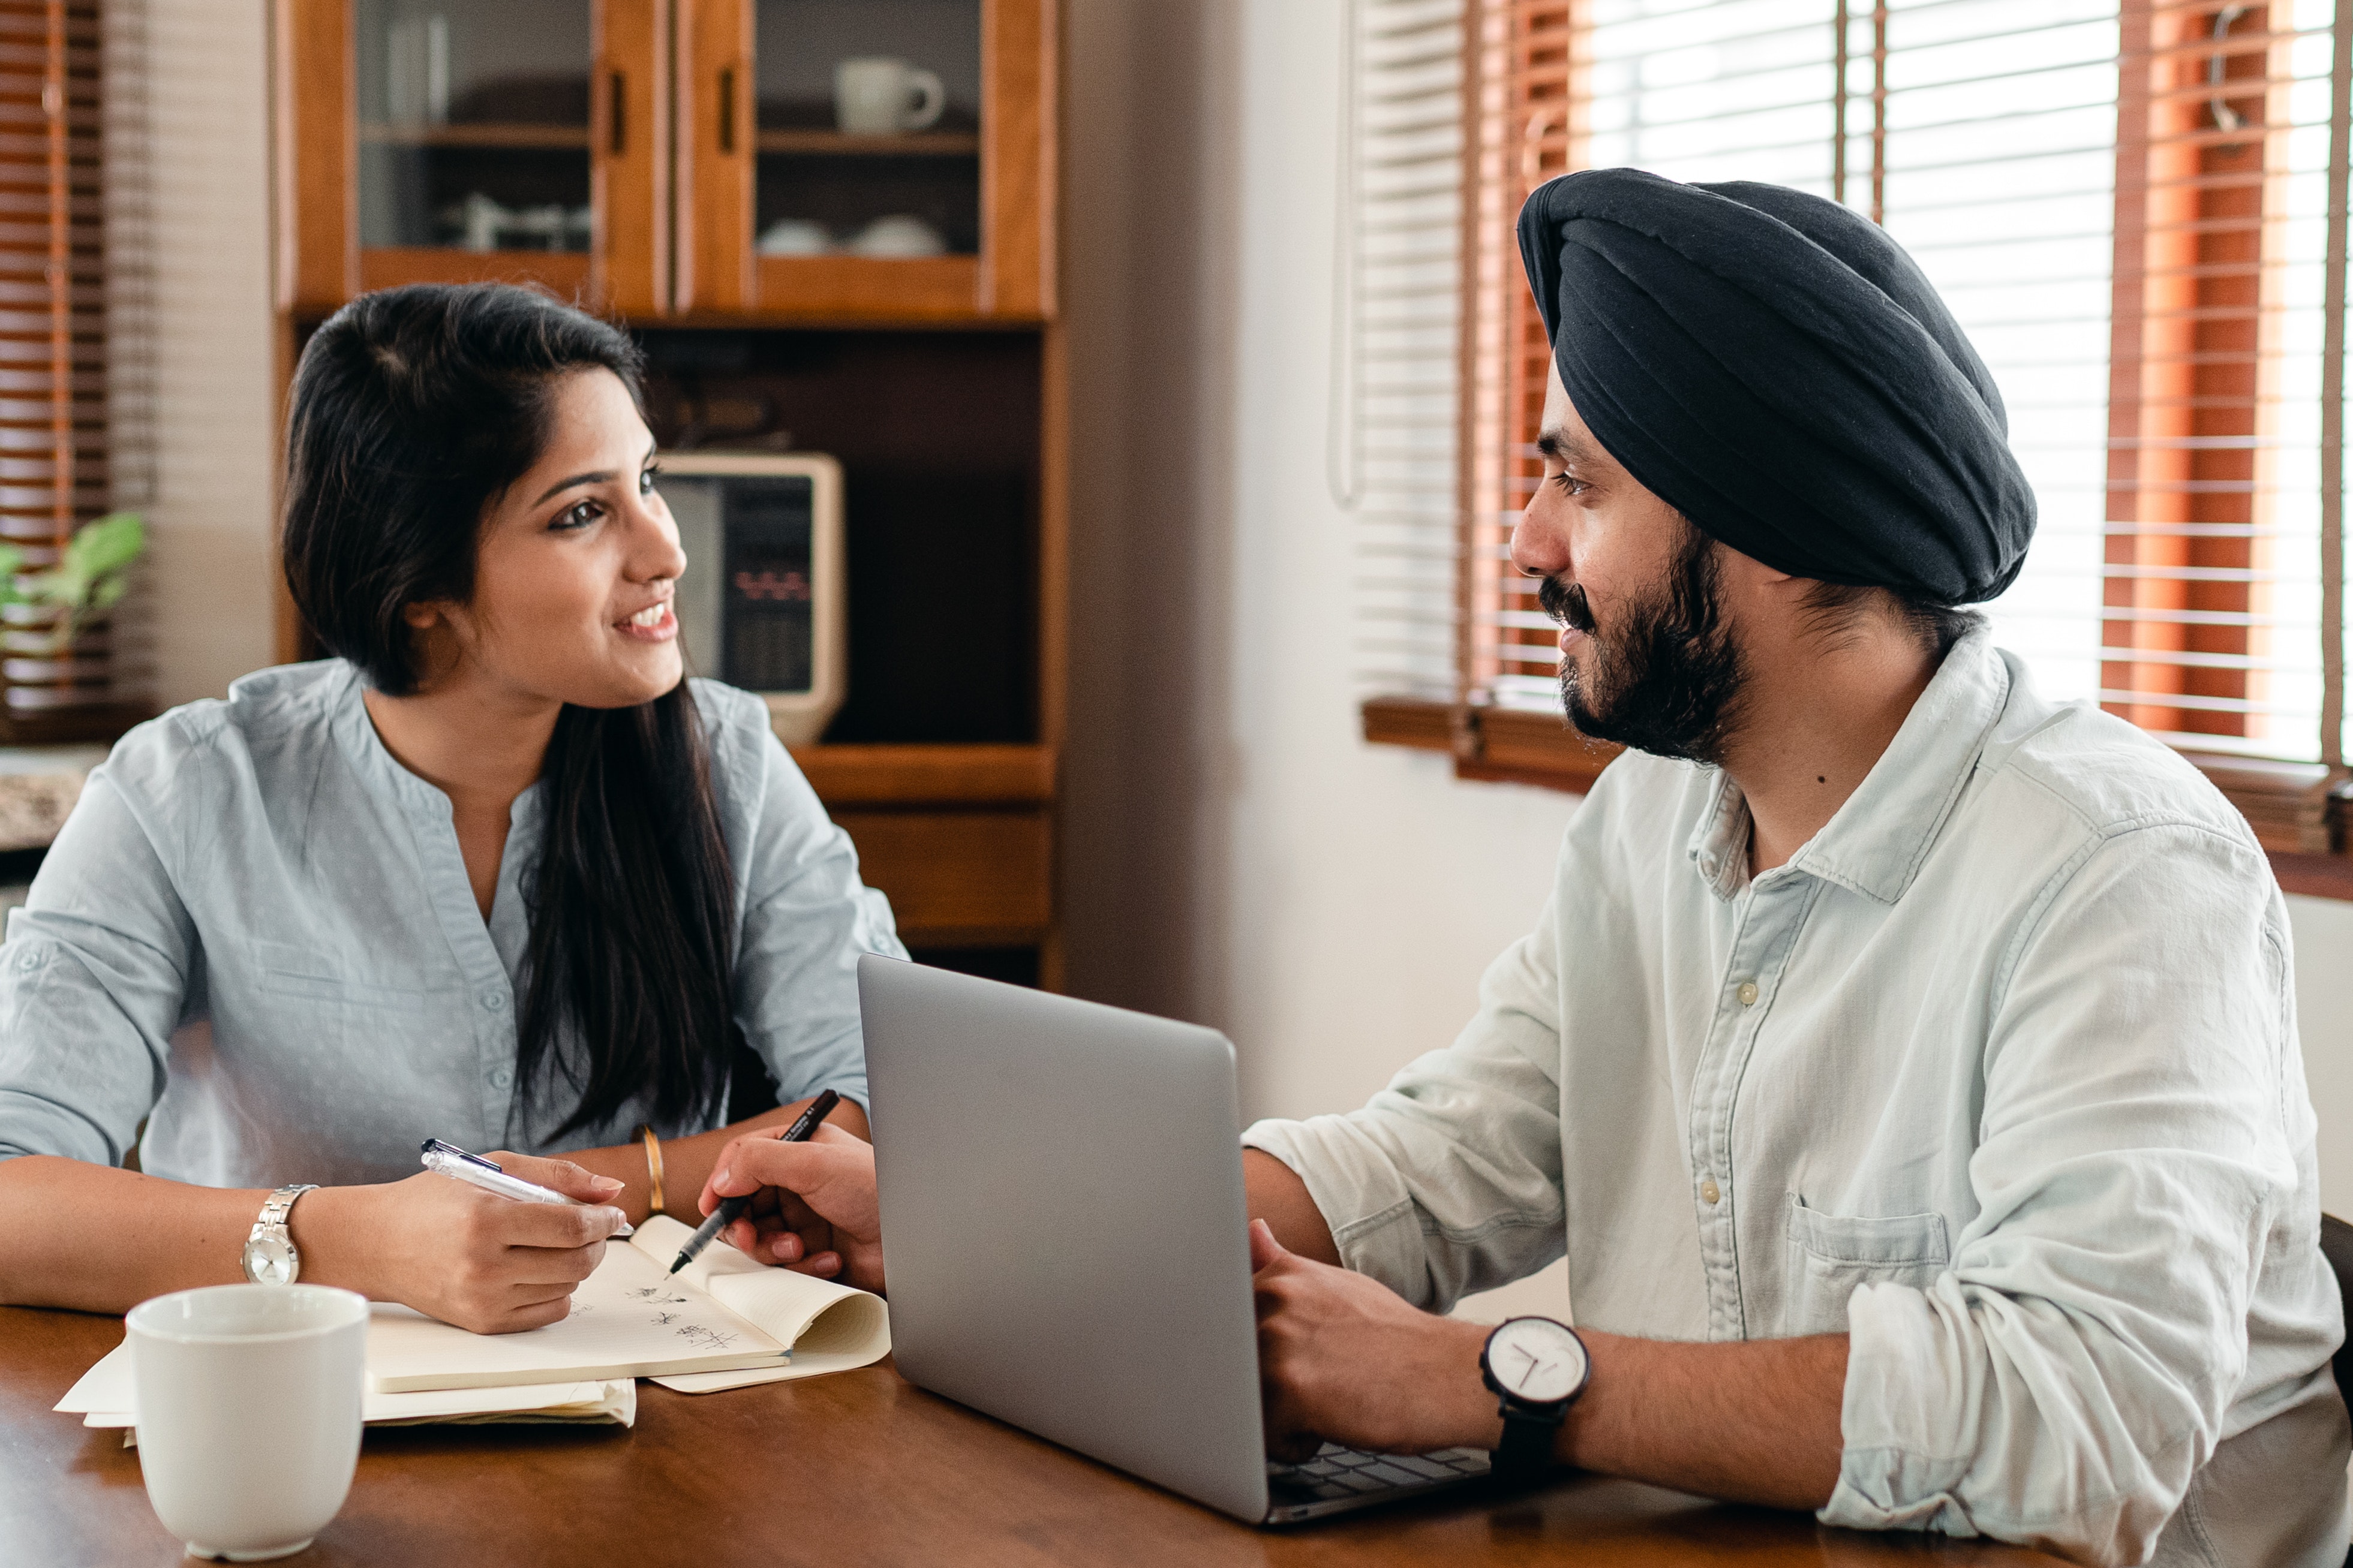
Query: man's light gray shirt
{"x": 256, "y": 932}
{"x": 1999, "y": 1074}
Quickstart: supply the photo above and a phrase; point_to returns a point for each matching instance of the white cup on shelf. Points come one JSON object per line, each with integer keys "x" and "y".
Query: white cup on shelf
{"x": 249, "y": 1408}
{"x": 881, "y": 95}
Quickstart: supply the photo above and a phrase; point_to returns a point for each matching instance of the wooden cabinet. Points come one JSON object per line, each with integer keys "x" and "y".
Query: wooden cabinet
{"x": 684, "y": 159}
{"x": 805, "y": 208}
{"x": 504, "y": 139}
{"x": 776, "y": 170}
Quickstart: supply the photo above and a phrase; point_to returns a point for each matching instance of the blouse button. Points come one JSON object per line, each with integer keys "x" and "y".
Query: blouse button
{"x": 1748, "y": 994}
{"x": 1709, "y": 1191}
{"x": 502, "y": 1078}
{"x": 493, "y": 1000}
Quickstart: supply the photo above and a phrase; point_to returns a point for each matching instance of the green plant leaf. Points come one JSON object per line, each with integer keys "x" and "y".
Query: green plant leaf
{"x": 105, "y": 545}
{"x": 88, "y": 578}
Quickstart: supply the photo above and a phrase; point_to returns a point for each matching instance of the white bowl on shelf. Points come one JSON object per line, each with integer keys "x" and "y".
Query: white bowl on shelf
{"x": 795, "y": 237}
{"x": 899, "y": 236}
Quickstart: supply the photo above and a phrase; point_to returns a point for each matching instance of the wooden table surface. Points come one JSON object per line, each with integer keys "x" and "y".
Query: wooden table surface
{"x": 843, "y": 1471}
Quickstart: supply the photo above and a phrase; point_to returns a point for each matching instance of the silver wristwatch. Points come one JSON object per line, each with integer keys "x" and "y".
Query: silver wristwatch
{"x": 269, "y": 1255}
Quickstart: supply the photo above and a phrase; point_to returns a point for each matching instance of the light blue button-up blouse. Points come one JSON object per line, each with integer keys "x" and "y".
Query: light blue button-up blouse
{"x": 256, "y": 932}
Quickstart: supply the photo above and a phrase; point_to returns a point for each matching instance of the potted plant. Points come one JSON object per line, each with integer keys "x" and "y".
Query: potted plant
{"x": 57, "y": 651}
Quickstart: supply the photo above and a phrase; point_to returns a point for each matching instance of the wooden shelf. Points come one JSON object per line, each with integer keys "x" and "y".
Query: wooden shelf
{"x": 868, "y": 289}
{"x": 930, "y": 775}
{"x": 511, "y": 137}
{"x": 388, "y": 266}
{"x": 842, "y": 145}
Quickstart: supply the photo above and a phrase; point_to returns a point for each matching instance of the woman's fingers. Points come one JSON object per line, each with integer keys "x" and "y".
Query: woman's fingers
{"x": 561, "y": 1175}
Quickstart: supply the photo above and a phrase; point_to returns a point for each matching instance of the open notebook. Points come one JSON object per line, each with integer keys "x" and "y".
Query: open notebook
{"x": 722, "y": 1321}
{"x": 104, "y": 1397}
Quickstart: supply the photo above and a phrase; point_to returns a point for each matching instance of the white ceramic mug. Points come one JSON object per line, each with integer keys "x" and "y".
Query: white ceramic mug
{"x": 248, "y": 1413}
{"x": 877, "y": 95}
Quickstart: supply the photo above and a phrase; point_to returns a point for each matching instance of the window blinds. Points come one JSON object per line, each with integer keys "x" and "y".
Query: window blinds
{"x": 52, "y": 285}
{"x": 2128, "y": 205}
{"x": 1393, "y": 455}
{"x": 53, "y": 308}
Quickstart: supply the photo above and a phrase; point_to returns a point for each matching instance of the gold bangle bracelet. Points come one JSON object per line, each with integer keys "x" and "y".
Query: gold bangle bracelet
{"x": 653, "y": 1166}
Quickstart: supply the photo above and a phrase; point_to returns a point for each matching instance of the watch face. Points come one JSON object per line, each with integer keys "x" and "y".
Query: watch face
{"x": 269, "y": 1260}
{"x": 1537, "y": 1360}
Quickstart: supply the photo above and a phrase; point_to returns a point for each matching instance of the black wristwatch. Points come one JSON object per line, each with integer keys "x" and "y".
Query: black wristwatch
{"x": 1537, "y": 1367}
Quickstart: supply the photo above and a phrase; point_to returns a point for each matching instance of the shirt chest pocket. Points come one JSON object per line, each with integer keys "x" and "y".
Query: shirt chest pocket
{"x": 1830, "y": 1255}
{"x": 284, "y": 969}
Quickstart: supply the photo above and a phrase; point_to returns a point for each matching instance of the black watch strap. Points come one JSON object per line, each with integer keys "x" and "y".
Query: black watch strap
{"x": 1548, "y": 1360}
{"x": 1529, "y": 1432}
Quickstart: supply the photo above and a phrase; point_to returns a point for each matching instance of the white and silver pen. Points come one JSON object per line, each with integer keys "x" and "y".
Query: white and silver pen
{"x": 449, "y": 1160}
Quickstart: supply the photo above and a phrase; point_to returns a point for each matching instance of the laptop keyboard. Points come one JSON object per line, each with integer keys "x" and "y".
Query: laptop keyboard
{"x": 1335, "y": 1472}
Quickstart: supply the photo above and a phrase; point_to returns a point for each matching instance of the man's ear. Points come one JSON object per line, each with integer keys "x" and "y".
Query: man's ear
{"x": 1749, "y": 578}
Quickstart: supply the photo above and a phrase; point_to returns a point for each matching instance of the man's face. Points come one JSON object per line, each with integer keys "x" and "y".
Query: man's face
{"x": 1647, "y": 659}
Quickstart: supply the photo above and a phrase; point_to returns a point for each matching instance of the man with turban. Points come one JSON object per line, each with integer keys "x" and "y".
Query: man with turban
{"x": 1906, "y": 1065}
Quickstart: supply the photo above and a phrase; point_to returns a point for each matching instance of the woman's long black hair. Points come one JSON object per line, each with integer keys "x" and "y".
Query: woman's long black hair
{"x": 413, "y": 411}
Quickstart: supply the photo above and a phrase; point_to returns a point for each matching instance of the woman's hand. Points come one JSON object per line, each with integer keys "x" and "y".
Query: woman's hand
{"x": 813, "y": 1204}
{"x": 459, "y": 1254}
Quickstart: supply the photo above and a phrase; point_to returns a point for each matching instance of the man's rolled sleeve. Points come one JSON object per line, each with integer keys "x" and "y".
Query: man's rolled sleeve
{"x": 2063, "y": 1382}
{"x": 1448, "y": 1181}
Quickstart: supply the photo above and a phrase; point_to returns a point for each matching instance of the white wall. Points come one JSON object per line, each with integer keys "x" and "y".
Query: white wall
{"x": 211, "y": 370}
{"x": 1238, "y": 857}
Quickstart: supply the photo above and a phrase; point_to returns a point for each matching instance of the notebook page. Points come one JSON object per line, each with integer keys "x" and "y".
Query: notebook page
{"x": 628, "y": 1320}
{"x": 827, "y": 1326}
{"x": 104, "y": 1397}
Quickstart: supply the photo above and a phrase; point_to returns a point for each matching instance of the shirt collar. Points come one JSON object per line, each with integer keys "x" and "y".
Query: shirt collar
{"x": 1875, "y": 843}
{"x": 383, "y": 773}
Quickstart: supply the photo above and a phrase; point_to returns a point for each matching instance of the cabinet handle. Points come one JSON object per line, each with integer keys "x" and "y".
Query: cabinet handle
{"x": 727, "y": 110}
{"x": 620, "y": 107}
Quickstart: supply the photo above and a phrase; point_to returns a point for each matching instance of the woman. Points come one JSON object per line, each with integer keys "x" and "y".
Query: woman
{"x": 495, "y": 874}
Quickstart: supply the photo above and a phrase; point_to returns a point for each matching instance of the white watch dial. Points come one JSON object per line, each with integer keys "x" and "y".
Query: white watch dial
{"x": 1537, "y": 1359}
{"x": 269, "y": 1260}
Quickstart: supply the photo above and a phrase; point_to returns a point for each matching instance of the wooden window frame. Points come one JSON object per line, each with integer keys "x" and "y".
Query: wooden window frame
{"x": 1511, "y": 144}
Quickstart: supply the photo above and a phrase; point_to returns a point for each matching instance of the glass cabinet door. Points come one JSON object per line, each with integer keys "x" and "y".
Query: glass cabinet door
{"x": 854, "y": 158}
{"x": 868, "y": 128}
{"x": 453, "y": 139}
{"x": 473, "y": 124}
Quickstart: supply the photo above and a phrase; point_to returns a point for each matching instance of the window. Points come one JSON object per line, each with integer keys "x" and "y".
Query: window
{"x": 2128, "y": 205}
{"x": 1395, "y": 289}
{"x": 53, "y": 311}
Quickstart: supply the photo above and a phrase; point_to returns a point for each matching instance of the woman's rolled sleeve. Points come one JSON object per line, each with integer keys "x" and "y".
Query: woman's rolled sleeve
{"x": 807, "y": 919}
{"x": 93, "y": 980}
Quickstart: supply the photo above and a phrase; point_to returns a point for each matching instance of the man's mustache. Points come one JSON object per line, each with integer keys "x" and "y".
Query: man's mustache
{"x": 1565, "y": 602}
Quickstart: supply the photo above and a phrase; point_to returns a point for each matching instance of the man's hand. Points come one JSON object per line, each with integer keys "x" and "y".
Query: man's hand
{"x": 1343, "y": 1359}
{"x": 813, "y": 1204}
{"x": 459, "y": 1254}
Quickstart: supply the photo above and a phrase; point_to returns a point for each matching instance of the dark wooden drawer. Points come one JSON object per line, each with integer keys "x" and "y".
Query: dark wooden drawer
{"x": 959, "y": 878}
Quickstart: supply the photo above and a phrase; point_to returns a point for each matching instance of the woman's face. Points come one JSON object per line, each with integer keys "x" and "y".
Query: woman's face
{"x": 577, "y": 566}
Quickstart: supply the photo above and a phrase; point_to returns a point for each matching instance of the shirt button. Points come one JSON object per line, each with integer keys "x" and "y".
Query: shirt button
{"x": 1709, "y": 1191}
{"x": 1748, "y": 994}
{"x": 502, "y": 1078}
{"x": 495, "y": 1001}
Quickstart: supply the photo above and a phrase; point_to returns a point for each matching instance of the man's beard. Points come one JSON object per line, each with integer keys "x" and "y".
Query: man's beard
{"x": 1668, "y": 681}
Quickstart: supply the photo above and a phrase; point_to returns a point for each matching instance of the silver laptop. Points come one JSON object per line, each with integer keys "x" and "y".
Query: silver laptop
{"x": 1062, "y": 1191}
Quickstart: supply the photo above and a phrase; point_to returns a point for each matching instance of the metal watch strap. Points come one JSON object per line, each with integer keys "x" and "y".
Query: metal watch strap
{"x": 271, "y": 1224}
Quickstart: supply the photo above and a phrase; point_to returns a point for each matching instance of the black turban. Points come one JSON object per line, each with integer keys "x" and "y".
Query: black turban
{"x": 1777, "y": 369}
